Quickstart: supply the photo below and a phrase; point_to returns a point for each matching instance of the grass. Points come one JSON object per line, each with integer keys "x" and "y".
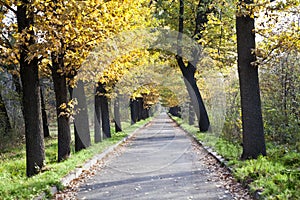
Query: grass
{"x": 276, "y": 176}
{"x": 15, "y": 185}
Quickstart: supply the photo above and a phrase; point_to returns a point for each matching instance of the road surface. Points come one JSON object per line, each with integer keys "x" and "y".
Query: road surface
{"x": 161, "y": 162}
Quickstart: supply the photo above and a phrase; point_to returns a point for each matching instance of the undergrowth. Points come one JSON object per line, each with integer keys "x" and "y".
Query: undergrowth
{"x": 276, "y": 176}
{"x": 15, "y": 185}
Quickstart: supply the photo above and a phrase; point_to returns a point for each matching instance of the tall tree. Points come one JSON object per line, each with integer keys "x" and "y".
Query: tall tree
{"x": 133, "y": 110}
{"x": 188, "y": 70}
{"x": 35, "y": 154}
{"x": 117, "y": 116}
{"x": 81, "y": 121}
{"x": 253, "y": 130}
{"x": 101, "y": 113}
{"x": 97, "y": 116}
{"x": 44, "y": 115}
{"x": 62, "y": 112}
{"x": 66, "y": 31}
{"x": 103, "y": 99}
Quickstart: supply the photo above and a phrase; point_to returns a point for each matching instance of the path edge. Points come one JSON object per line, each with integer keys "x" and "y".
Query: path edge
{"x": 222, "y": 161}
{"x": 66, "y": 180}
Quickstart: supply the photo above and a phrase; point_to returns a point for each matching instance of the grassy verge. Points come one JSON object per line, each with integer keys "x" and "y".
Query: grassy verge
{"x": 276, "y": 176}
{"x": 15, "y": 185}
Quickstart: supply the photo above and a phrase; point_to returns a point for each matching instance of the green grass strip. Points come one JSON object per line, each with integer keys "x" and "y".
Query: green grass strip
{"x": 15, "y": 185}
{"x": 276, "y": 176}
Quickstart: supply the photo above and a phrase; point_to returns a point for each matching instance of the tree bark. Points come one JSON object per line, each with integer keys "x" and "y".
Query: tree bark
{"x": 140, "y": 103}
{"x": 145, "y": 113}
{"x": 35, "y": 151}
{"x": 97, "y": 116}
{"x": 175, "y": 111}
{"x": 104, "y": 111}
{"x": 44, "y": 115}
{"x": 117, "y": 118}
{"x": 191, "y": 114}
{"x": 61, "y": 96}
{"x": 188, "y": 73}
{"x": 252, "y": 122}
{"x": 133, "y": 111}
{"x": 144, "y": 110}
{"x": 81, "y": 122}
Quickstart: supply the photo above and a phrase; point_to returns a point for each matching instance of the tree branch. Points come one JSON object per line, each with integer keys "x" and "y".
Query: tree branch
{"x": 180, "y": 32}
{"x": 9, "y": 7}
{"x": 6, "y": 41}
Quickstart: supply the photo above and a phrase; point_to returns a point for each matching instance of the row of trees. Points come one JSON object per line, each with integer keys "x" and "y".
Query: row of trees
{"x": 52, "y": 38}
{"x": 220, "y": 25}
{"x": 253, "y": 134}
{"x": 53, "y": 43}
{"x": 64, "y": 41}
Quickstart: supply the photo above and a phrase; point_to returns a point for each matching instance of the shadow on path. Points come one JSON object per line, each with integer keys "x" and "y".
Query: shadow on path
{"x": 160, "y": 163}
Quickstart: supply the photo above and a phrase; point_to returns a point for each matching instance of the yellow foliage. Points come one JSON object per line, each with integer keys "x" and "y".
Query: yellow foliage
{"x": 73, "y": 29}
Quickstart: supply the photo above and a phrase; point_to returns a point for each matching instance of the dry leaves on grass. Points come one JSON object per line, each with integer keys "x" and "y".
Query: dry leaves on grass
{"x": 225, "y": 178}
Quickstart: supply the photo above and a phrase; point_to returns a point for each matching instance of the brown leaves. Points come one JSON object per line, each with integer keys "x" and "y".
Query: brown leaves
{"x": 224, "y": 178}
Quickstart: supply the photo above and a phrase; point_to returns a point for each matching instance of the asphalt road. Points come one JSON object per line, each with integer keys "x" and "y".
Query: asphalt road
{"x": 161, "y": 162}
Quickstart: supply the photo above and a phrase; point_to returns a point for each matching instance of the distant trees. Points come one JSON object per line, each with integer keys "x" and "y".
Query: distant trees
{"x": 278, "y": 55}
{"x": 55, "y": 38}
{"x": 138, "y": 109}
{"x": 5, "y": 122}
{"x": 104, "y": 109}
{"x": 194, "y": 18}
{"x": 97, "y": 116}
{"x": 117, "y": 115}
{"x": 81, "y": 122}
{"x": 44, "y": 115}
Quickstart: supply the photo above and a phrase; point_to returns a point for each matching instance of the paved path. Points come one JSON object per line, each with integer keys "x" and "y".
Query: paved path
{"x": 160, "y": 163}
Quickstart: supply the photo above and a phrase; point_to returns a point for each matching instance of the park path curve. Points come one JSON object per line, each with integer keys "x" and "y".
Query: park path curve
{"x": 161, "y": 162}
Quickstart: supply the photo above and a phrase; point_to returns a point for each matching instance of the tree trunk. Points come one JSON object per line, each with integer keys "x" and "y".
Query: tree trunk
{"x": 61, "y": 96}
{"x": 35, "y": 152}
{"x": 81, "y": 122}
{"x": 253, "y": 132}
{"x": 105, "y": 117}
{"x": 117, "y": 118}
{"x": 175, "y": 111}
{"x": 97, "y": 117}
{"x": 44, "y": 116}
{"x": 140, "y": 103}
{"x": 145, "y": 113}
{"x": 144, "y": 110}
{"x": 188, "y": 71}
{"x": 104, "y": 111}
{"x": 191, "y": 114}
{"x": 4, "y": 115}
{"x": 133, "y": 111}
{"x": 195, "y": 96}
